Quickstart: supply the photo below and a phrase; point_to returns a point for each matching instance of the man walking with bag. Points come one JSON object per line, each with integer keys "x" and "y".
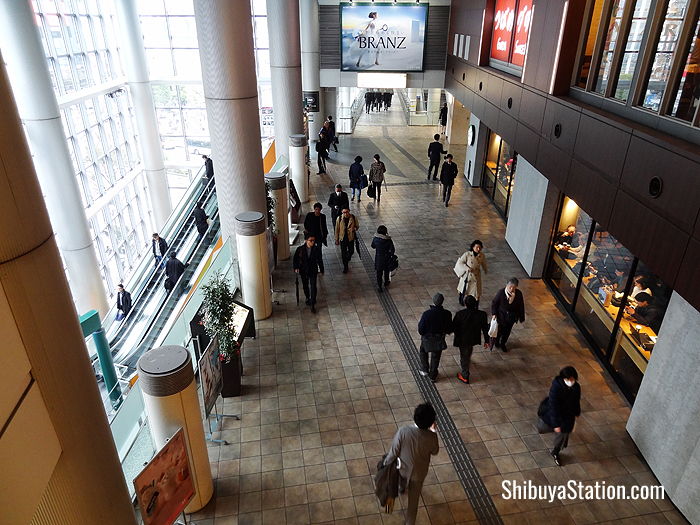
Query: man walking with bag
{"x": 434, "y": 325}
{"x": 305, "y": 263}
{"x": 345, "y": 227}
{"x": 435, "y": 151}
{"x": 507, "y": 307}
{"x": 468, "y": 326}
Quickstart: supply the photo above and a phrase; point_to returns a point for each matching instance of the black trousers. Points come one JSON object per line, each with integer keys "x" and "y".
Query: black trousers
{"x": 436, "y": 164}
{"x": 347, "y": 249}
{"x": 334, "y": 216}
{"x": 432, "y": 367}
{"x": 446, "y": 193}
{"x": 367, "y": 106}
{"x": 504, "y": 330}
{"x": 382, "y": 278}
{"x": 377, "y": 190}
{"x": 319, "y": 247}
{"x": 309, "y": 284}
{"x": 465, "y": 358}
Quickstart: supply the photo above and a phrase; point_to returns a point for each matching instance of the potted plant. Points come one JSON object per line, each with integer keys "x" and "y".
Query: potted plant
{"x": 271, "y": 218}
{"x": 218, "y": 314}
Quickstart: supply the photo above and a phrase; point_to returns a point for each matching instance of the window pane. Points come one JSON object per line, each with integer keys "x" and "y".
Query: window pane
{"x": 81, "y": 69}
{"x": 587, "y": 51}
{"x": 169, "y": 122}
{"x": 634, "y": 41}
{"x": 66, "y": 74}
{"x": 164, "y": 96}
{"x": 183, "y": 31}
{"x": 195, "y": 122}
{"x": 155, "y": 31}
{"x": 71, "y": 29}
{"x": 53, "y": 27}
{"x": 191, "y": 96}
{"x": 174, "y": 150}
{"x": 187, "y": 63}
{"x": 160, "y": 64}
{"x": 261, "y": 37}
{"x": 179, "y": 7}
{"x": 688, "y": 93}
{"x": 609, "y": 47}
{"x": 262, "y": 63}
{"x": 151, "y": 7}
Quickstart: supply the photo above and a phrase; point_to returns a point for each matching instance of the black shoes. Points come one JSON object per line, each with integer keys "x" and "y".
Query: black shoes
{"x": 504, "y": 347}
{"x": 555, "y": 456}
{"x": 313, "y": 308}
{"x": 446, "y": 205}
{"x": 308, "y": 302}
{"x": 345, "y": 270}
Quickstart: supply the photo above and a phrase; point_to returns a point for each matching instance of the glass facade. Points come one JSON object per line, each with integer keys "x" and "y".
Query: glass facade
{"x": 614, "y": 298}
{"x": 498, "y": 178}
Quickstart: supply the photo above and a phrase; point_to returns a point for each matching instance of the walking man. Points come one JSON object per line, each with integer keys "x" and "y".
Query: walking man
{"x": 468, "y": 326}
{"x": 306, "y": 265}
{"x": 434, "y": 325}
{"x": 123, "y": 302}
{"x": 345, "y": 227}
{"x": 159, "y": 247}
{"x": 322, "y": 147}
{"x": 315, "y": 225}
{"x": 507, "y": 307}
{"x": 413, "y": 445}
{"x": 448, "y": 174}
{"x": 382, "y": 258}
{"x": 376, "y": 176}
{"x": 443, "y": 119}
{"x": 208, "y": 167}
{"x": 559, "y": 411}
{"x": 200, "y": 219}
{"x": 173, "y": 269}
{"x": 369, "y": 97}
{"x": 435, "y": 151}
{"x": 338, "y": 201}
{"x": 331, "y": 134}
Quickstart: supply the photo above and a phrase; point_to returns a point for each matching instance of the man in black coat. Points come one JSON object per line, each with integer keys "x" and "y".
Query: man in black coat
{"x": 442, "y": 117}
{"x": 174, "y": 269}
{"x": 338, "y": 201}
{"x": 159, "y": 247}
{"x": 385, "y": 249}
{"x": 208, "y": 167}
{"x": 305, "y": 263}
{"x": 468, "y": 325}
{"x": 434, "y": 325}
{"x": 559, "y": 412}
{"x": 435, "y": 151}
{"x": 448, "y": 174}
{"x": 123, "y": 302}
{"x": 508, "y": 307}
{"x": 315, "y": 225}
{"x": 331, "y": 134}
{"x": 200, "y": 219}
{"x": 369, "y": 98}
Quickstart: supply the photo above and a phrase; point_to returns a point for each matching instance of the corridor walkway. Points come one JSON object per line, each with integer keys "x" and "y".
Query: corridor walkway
{"x": 325, "y": 393}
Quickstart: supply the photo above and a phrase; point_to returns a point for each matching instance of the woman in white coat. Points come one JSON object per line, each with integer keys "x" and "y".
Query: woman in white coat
{"x": 468, "y": 269}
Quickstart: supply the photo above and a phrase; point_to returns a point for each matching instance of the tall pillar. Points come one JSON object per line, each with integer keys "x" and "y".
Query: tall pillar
{"x": 285, "y": 70}
{"x": 344, "y": 109}
{"x": 433, "y": 105}
{"x": 144, "y": 109}
{"x": 278, "y": 190}
{"x": 225, "y": 33}
{"x": 38, "y": 109}
{"x": 51, "y": 412}
{"x": 298, "y": 170}
{"x": 253, "y": 263}
{"x": 310, "y": 59}
{"x": 412, "y": 94}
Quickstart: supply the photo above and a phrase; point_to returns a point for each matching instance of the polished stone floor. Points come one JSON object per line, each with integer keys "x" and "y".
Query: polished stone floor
{"x": 325, "y": 393}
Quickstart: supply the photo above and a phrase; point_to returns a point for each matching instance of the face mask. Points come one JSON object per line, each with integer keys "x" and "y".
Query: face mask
{"x": 337, "y": 193}
{"x": 569, "y": 383}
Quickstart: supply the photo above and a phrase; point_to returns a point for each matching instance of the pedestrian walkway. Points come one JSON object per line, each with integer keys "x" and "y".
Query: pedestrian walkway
{"x": 324, "y": 393}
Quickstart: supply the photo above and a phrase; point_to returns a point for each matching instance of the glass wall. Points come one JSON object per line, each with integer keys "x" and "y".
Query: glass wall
{"x": 614, "y": 298}
{"x": 499, "y": 173}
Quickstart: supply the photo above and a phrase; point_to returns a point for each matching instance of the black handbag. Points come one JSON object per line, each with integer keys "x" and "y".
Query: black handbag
{"x": 393, "y": 262}
{"x": 544, "y": 405}
{"x": 371, "y": 193}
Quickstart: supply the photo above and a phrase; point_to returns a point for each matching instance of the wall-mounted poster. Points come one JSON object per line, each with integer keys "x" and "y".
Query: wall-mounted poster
{"x": 210, "y": 376}
{"x": 511, "y": 28}
{"x": 165, "y": 486}
{"x": 383, "y": 37}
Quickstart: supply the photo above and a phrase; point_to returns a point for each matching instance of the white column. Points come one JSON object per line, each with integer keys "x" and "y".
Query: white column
{"x": 298, "y": 170}
{"x": 285, "y": 71}
{"x": 59, "y": 462}
{"x": 433, "y": 105}
{"x": 38, "y": 109}
{"x": 253, "y": 262}
{"x": 344, "y": 99}
{"x": 310, "y": 59}
{"x": 278, "y": 192}
{"x": 225, "y": 34}
{"x": 137, "y": 74}
{"x": 412, "y": 94}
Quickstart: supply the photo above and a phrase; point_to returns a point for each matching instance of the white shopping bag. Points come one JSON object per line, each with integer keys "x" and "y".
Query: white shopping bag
{"x": 493, "y": 329}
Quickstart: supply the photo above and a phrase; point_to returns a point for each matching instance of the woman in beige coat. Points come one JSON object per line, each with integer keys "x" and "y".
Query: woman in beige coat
{"x": 468, "y": 269}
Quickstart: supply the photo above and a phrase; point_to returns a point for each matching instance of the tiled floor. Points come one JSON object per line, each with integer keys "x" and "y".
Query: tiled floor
{"x": 325, "y": 393}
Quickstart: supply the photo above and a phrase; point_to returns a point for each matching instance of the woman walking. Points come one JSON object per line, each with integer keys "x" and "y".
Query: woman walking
{"x": 468, "y": 269}
{"x": 376, "y": 176}
{"x": 385, "y": 249}
{"x": 355, "y": 174}
{"x": 558, "y": 412}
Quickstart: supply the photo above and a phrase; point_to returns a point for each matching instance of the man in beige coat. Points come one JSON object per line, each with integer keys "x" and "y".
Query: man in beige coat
{"x": 345, "y": 227}
{"x": 468, "y": 269}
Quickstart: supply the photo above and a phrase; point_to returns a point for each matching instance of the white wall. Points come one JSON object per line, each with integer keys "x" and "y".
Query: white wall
{"x": 474, "y": 161}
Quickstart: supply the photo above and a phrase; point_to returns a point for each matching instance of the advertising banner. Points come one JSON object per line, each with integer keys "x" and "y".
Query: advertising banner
{"x": 165, "y": 486}
{"x": 383, "y": 37}
{"x": 210, "y": 376}
{"x": 502, "y": 29}
{"x": 522, "y": 30}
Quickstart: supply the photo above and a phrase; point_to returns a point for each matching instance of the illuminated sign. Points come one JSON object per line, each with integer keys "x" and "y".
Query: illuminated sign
{"x": 383, "y": 37}
{"x": 511, "y": 27}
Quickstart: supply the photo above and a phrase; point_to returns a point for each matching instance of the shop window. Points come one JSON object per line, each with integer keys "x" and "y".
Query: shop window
{"x": 511, "y": 29}
{"x": 488, "y": 181}
{"x": 498, "y": 172}
{"x": 687, "y": 96}
{"x": 611, "y": 40}
{"x": 584, "y": 66}
{"x": 632, "y": 47}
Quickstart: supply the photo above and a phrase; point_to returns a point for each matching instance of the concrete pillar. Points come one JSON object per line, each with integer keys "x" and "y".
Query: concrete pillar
{"x": 285, "y": 70}
{"x": 253, "y": 263}
{"x": 144, "y": 110}
{"x": 457, "y": 122}
{"x": 298, "y": 148}
{"x": 433, "y": 105}
{"x": 38, "y": 108}
{"x": 310, "y": 59}
{"x": 225, "y": 34}
{"x": 278, "y": 191}
{"x": 59, "y": 462}
{"x": 477, "y": 142}
{"x": 665, "y": 423}
{"x": 531, "y": 214}
{"x": 170, "y": 399}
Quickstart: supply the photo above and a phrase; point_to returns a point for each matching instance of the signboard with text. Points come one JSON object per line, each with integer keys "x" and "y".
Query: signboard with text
{"x": 511, "y": 27}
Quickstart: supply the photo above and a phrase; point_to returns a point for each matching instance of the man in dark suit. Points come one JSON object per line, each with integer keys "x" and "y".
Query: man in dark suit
{"x": 123, "y": 302}
{"x": 305, "y": 263}
{"x": 331, "y": 134}
{"x": 434, "y": 325}
{"x": 448, "y": 174}
{"x": 468, "y": 326}
{"x": 435, "y": 151}
{"x": 174, "y": 269}
{"x": 338, "y": 201}
{"x": 159, "y": 247}
{"x": 200, "y": 219}
{"x": 315, "y": 224}
{"x": 208, "y": 167}
{"x": 508, "y": 307}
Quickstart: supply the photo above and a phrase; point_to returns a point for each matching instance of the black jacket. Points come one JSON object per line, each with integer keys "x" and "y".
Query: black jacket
{"x": 443, "y": 116}
{"x": 563, "y": 405}
{"x": 435, "y": 150}
{"x": 209, "y": 168}
{"x": 305, "y": 264}
{"x": 505, "y": 312}
{"x": 163, "y": 246}
{"x": 331, "y": 128}
{"x": 434, "y": 325}
{"x": 468, "y": 326}
{"x": 355, "y": 174}
{"x": 448, "y": 173}
{"x": 200, "y": 217}
{"x": 385, "y": 248}
{"x": 124, "y": 301}
{"x": 316, "y": 226}
{"x": 386, "y": 482}
{"x": 339, "y": 203}
{"x": 174, "y": 269}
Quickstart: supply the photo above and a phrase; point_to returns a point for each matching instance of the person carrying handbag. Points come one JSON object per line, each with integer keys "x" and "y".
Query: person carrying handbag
{"x": 468, "y": 268}
{"x": 507, "y": 308}
{"x": 376, "y": 177}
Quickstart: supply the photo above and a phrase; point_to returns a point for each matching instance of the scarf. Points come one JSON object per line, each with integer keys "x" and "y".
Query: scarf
{"x": 510, "y": 297}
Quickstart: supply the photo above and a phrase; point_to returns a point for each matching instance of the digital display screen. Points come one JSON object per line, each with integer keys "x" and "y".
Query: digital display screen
{"x": 383, "y": 37}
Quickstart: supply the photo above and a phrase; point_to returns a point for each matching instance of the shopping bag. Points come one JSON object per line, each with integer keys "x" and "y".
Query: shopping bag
{"x": 371, "y": 193}
{"x": 493, "y": 329}
{"x": 363, "y": 181}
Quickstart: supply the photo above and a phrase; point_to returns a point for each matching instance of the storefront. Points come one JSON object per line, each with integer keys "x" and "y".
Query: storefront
{"x": 613, "y": 297}
{"x": 499, "y": 173}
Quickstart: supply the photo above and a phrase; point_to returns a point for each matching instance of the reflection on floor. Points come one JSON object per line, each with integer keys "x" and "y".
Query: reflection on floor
{"x": 325, "y": 393}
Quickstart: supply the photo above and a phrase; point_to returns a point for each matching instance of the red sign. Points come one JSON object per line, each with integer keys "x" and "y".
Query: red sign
{"x": 502, "y": 29}
{"x": 522, "y": 30}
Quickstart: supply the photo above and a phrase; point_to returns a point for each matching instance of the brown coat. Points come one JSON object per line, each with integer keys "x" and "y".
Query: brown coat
{"x": 469, "y": 267}
{"x": 353, "y": 225}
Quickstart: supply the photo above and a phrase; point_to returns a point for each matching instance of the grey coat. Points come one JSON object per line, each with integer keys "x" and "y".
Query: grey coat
{"x": 413, "y": 446}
